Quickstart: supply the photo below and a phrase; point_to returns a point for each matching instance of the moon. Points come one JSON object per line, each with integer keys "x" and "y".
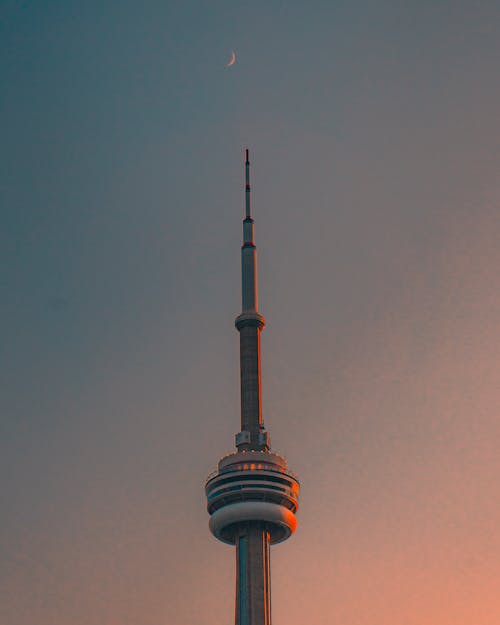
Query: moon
{"x": 232, "y": 59}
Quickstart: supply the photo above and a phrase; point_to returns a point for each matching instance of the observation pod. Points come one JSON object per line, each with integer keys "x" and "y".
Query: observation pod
{"x": 252, "y": 486}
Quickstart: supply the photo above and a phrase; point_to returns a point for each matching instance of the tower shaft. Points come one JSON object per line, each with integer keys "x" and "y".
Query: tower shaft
{"x": 253, "y": 575}
{"x": 251, "y": 398}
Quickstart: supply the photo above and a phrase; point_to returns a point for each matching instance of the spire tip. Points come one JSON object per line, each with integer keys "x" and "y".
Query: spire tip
{"x": 247, "y": 185}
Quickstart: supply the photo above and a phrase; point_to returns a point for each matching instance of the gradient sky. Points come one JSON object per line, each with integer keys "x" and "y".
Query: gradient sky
{"x": 373, "y": 130}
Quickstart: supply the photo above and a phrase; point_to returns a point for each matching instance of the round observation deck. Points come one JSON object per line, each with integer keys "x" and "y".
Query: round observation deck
{"x": 252, "y": 486}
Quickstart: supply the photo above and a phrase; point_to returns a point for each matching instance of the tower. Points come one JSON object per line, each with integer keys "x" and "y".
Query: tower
{"x": 252, "y": 498}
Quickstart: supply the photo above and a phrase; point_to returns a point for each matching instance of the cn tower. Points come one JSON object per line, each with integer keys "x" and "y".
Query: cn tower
{"x": 252, "y": 498}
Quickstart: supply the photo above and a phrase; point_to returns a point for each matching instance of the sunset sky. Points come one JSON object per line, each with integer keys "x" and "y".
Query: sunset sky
{"x": 373, "y": 130}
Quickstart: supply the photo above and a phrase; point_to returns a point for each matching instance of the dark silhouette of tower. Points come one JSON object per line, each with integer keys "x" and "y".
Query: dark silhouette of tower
{"x": 252, "y": 498}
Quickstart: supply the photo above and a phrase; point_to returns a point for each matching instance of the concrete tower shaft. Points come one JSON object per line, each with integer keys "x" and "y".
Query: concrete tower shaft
{"x": 253, "y": 575}
{"x": 252, "y": 498}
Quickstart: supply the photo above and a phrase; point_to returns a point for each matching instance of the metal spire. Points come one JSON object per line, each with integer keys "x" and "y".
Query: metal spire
{"x": 247, "y": 184}
{"x": 248, "y": 252}
{"x": 249, "y": 325}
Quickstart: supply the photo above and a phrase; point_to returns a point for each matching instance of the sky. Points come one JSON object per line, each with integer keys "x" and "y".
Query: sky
{"x": 373, "y": 130}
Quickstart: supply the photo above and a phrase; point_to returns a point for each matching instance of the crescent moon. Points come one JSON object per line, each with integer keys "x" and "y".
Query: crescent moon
{"x": 232, "y": 59}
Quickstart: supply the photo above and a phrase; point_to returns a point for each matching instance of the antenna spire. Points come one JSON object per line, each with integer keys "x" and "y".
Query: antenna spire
{"x": 250, "y": 323}
{"x": 248, "y": 251}
{"x": 247, "y": 184}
